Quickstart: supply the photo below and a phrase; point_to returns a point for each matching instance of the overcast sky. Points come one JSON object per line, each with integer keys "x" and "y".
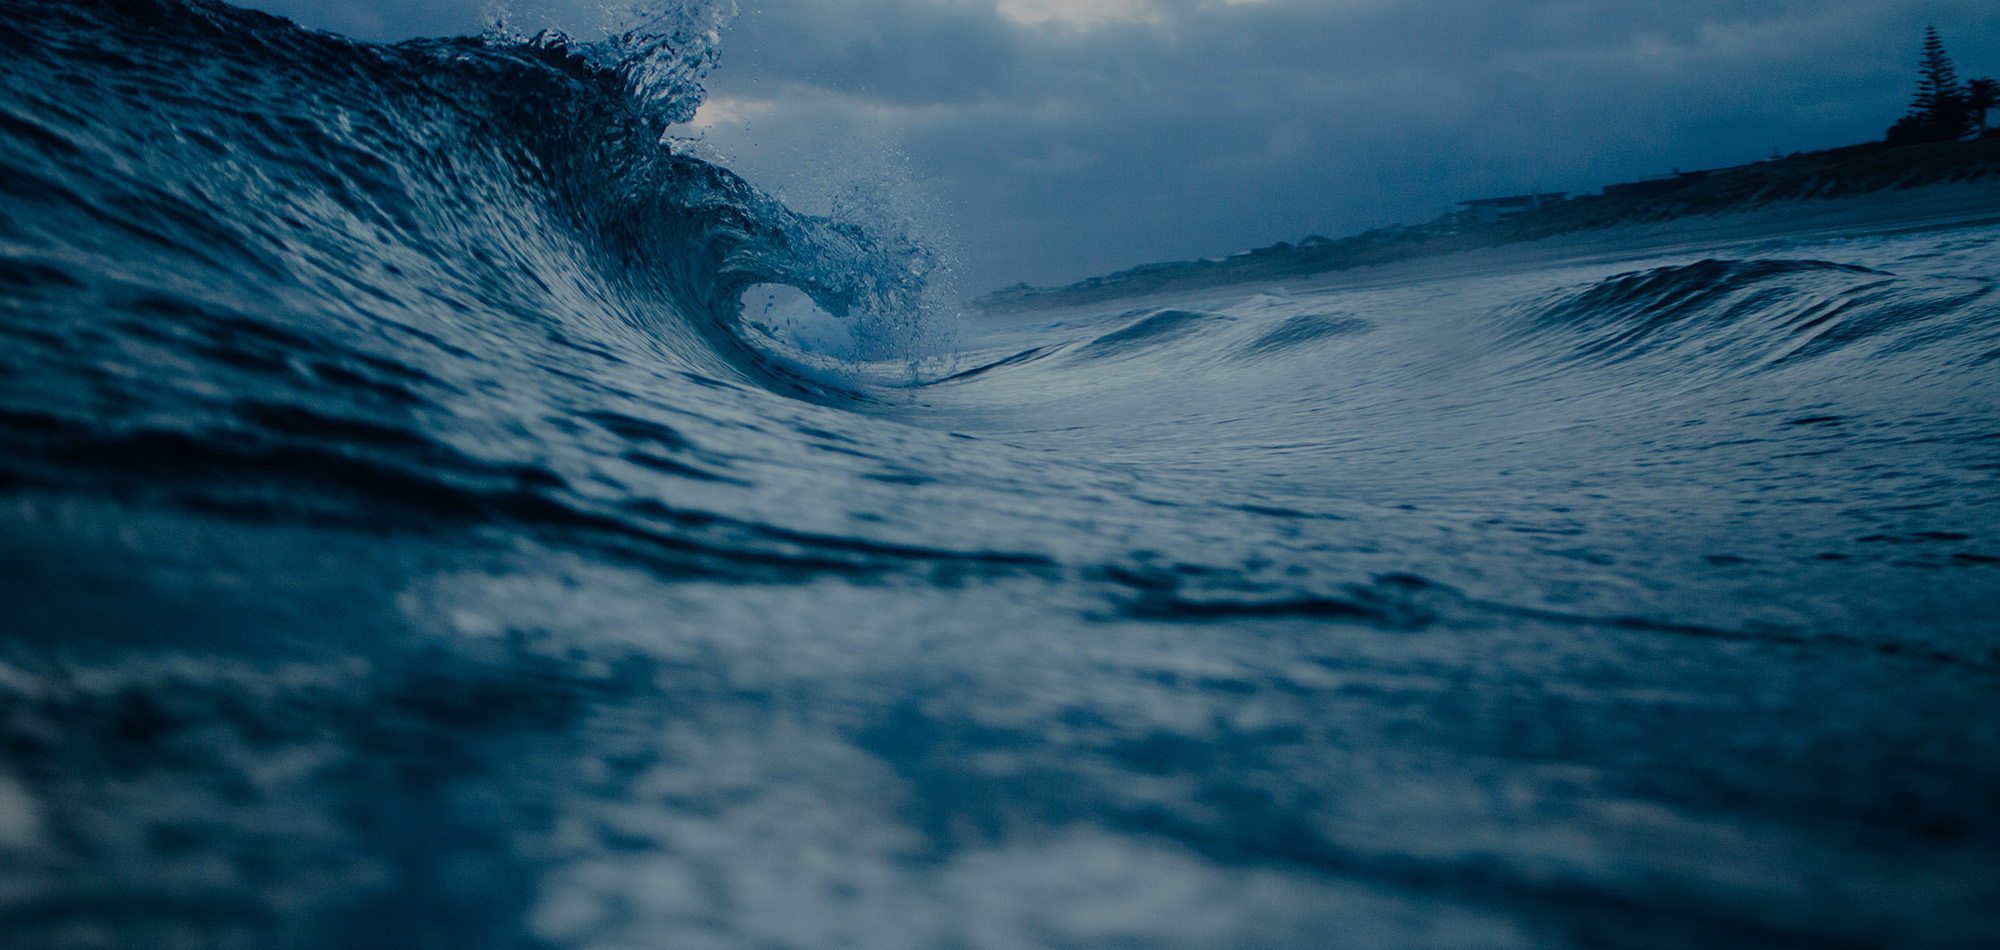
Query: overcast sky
{"x": 1058, "y": 139}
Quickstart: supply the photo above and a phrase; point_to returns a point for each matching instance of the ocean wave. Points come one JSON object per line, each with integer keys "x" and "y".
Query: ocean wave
{"x": 1754, "y": 315}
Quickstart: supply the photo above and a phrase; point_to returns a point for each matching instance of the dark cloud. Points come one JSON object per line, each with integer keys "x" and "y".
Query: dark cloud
{"x": 907, "y": 52}
{"x": 1056, "y": 151}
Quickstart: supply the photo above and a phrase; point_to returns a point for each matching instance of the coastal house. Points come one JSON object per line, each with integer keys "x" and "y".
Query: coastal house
{"x": 1494, "y": 210}
{"x": 1655, "y": 184}
{"x": 1663, "y": 184}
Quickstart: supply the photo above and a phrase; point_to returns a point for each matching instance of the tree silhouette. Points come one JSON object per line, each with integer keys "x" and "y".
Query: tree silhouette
{"x": 1939, "y": 112}
{"x": 1981, "y": 96}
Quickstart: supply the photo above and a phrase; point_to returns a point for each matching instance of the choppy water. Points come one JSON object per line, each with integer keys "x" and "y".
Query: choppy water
{"x": 404, "y": 542}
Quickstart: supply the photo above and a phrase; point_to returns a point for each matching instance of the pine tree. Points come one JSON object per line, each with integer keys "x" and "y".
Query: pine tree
{"x": 1939, "y": 112}
{"x": 1939, "y": 97}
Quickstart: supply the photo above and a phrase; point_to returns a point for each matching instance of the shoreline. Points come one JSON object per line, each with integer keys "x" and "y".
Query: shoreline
{"x": 1938, "y": 207}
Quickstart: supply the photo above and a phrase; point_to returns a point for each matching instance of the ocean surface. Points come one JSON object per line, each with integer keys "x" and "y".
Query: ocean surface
{"x": 433, "y": 515}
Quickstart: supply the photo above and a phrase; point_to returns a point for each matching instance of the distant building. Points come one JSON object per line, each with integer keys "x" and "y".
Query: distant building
{"x": 1662, "y": 184}
{"x": 1494, "y": 210}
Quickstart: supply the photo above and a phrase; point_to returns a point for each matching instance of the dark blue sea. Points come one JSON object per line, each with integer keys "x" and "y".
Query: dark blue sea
{"x": 435, "y": 513}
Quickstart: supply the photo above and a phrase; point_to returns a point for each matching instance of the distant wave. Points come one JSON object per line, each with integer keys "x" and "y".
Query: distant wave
{"x": 1748, "y": 315}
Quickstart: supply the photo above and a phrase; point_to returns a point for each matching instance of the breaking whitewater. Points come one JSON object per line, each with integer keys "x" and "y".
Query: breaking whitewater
{"x": 408, "y": 539}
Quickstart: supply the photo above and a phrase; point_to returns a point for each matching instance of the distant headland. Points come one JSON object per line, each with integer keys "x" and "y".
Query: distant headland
{"x": 1944, "y": 138}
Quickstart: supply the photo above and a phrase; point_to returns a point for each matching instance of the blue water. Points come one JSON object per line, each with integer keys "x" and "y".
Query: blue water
{"x": 420, "y": 527}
